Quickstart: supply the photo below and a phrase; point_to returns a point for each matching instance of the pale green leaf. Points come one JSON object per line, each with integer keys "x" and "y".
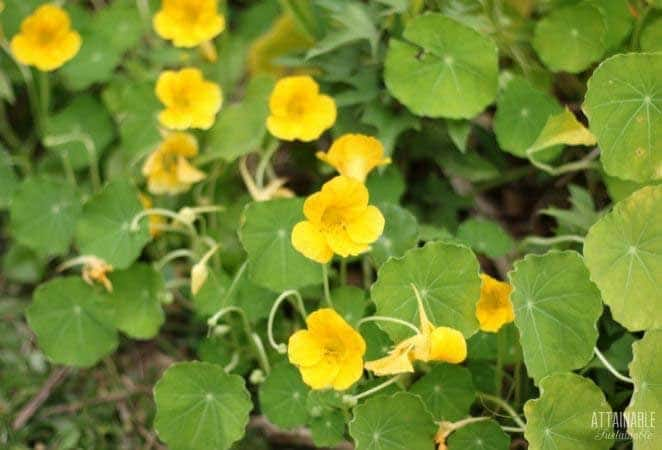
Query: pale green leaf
{"x": 447, "y": 391}
{"x": 283, "y": 397}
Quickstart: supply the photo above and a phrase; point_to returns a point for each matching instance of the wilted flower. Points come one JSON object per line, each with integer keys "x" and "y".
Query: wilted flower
{"x": 298, "y": 110}
{"x": 199, "y": 274}
{"x": 96, "y": 269}
{"x": 190, "y": 100}
{"x": 329, "y": 354}
{"x": 338, "y": 220}
{"x": 168, "y": 169}
{"x": 46, "y": 39}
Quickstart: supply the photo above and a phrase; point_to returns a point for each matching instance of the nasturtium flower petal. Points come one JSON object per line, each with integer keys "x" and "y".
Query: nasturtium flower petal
{"x": 329, "y": 354}
{"x": 494, "y": 308}
{"x": 399, "y": 360}
{"x": 309, "y": 241}
{"x": 298, "y": 111}
{"x": 355, "y": 155}
{"x": 448, "y": 345}
{"x": 368, "y": 227}
{"x": 167, "y": 168}
{"x": 188, "y": 23}
{"x": 46, "y": 39}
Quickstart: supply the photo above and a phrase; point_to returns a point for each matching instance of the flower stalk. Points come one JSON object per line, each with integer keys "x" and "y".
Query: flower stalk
{"x": 282, "y": 348}
{"x": 351, "y": 400}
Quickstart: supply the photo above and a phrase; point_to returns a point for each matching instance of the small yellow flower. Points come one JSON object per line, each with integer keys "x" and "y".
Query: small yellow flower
{"x": 355, "y": 155}
{"x": 188, "y": 23}
{"x": 190, "y": 100}
{"x": 494, "y": 308}
{"x": 339, "y": 220}
{"x": 298, "y": 110}
{"x": 96, "y": 269}
{"x": 168, "y": 169}
{"x": 429, "y": 344}
{"x": 329, "y": 354}
{"x": 155, "y": 221}
{"x": 46, "y": 39}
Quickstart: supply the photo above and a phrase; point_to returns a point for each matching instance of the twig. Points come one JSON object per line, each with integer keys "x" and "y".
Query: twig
{"x": 24, "y": 415}
{"x": 299, "y": 437}
{"x": 70, "y": 408}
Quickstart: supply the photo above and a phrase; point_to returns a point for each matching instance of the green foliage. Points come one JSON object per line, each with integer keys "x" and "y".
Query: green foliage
{"x": 485, "y": 435}
{"x": 283, "y": 397}
{"x": 447, "y": 391}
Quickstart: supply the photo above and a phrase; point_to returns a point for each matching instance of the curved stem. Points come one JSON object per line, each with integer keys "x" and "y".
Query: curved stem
{"x": 234, "y": 361}
{"x": 611, "y": 368}
{"x": 388, "y": 319}
{"x": 160, "y": 212}
{"x": 264, "y": 163}
{"x": 325, "y": 279}
{"x": 209, "y": 254}
{"x": 179, "y": 253}
{"x": 503, "y": 404}
{"x": 89, "y": 146}
{"x": 176, "y": 283}
{"x": 544, "y": 241}
{"x": 282, "y": 348}
{"x": 512, "y": 429}
{"x": 261, "y": 353}
{"x": 353, "y": 399}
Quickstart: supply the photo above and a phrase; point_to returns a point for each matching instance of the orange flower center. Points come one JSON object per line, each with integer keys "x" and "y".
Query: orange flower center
{"x": 332, "y": 219}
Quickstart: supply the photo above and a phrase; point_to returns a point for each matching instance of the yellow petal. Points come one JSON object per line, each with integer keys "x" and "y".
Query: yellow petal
{"x": 303, "y": 349}
{"x": 355, "y": 155}
{"x": 367, "y": 228}
{"x": 350, "y": 372}
{"x": 186, "y": 173}
{"x": 320, "y": 375}
{"x": 347, "y": 194}
{"x": 494, "y": 308}
{"x": 341, "y": 243}
{"x": 447, "y": 344}
{"x": 397, "y": 361}
{"x": 310, "y": 242}
{"x": 314, "y": 207}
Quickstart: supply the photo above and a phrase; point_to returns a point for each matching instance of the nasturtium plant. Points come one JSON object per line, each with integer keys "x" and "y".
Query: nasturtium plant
{"x": 378, "y": 225}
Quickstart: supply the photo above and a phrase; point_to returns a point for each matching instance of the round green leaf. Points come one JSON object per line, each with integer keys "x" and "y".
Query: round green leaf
{"x": 618, "y": 20}
{"x": 350, "y": 302}
{"x": 104, "y": 229}
{"x": 73, "y": 323}
{"x": 328, "y": 430}
{"x": 571, "y": 38}
{"x": 23, "y": 265}
{"x": 283, "y": 397}
{"x": 377, "y": 341}
{"x": 446, "y": 276}
{"x": 272, "y": 261}
{"x": 625, "y": 114}
{"x": 646, "y": 371}
{"x": 485, "y": 435}
{"x": 454, "y": 65}
{"x": 568, "y": 415}
{"x": 623, "y": 253}
{"x": 136, "y": 299}
{"x": 397, "y": 422}
{"x": 400, "y": 233}
{"x": 522, "y": 112}
{"x": 83, "y": 121}
{"x": 200, "y": 407}
{"x": 8, "y": 179}
{"x": 213, "y": 295}
{"x": 651, "y": 36}
{"x": 386, "y": 185}
{"x": 556, "y": 308}
{"x": 447, "y": 391}
{"x": 44, "y": 213}
{"x": 485, "y": 236}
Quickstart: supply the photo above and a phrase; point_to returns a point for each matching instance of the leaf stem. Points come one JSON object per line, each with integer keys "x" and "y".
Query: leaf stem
{"x": 325, "y": 279}
{"x": 160, "y": 212}
{"x": 388, "y": 319}
{"x": 351, "y": 400}
{"x": 611, "y": 368}
{"x": 503, "y": 404}
{"x": 179, "y": 253}
{"x": 545, "y": 241}
{"x": 261, "y": 169}
{"x": 282, "y": 348}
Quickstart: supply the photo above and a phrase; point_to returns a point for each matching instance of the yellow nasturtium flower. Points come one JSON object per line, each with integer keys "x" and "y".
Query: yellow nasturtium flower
{"x": 329, "y": 354}
{"x": 188, "y": 23}
{"x": 338, "y": 220}
{"x": 190, "y": 100}
{"x": 168, "y": 169}
{"x": 298, "y": 110}
{"x": 494, "y": 308}
{"x": 46, "y": 39}
{"x": 355, "y": 155}
{"x": 429, "y": 344}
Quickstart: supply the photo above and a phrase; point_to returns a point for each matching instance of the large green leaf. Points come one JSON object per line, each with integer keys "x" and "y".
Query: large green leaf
{"x": 400, "y": 233}
{"x": 136, "y": 298}
{"x": 556, "y": 308}
{"x": 522, "y": 112}
{"x": 624, "y": 255}
{"x": 44, "y": 213}
{"x": 447, "y": 391}
{"x": 624, "y": 112}
{"x": 265, "y": 234}
{"x": 328, "y": 430}
{"x": 485, "y": 236}
{"x": 569, "y": 415}
{"x": 213, "y": 295}
{"x": 8, "y": 179}
{"x": 82, "y": 130}
{"x": 397, "y": 422}
{"x": 446, "y": 276}
{"x": 200, "y": 407}
{"x": 484, "y": 435}
{"x": 651, "y": 36}
{"x": 73, "y": 323}
{"x": 646, "y": 371}
{"x": 283, "y": 397}
{"x": 104, "y": 229}
{"x": 241, "y": 127}
{"x": 618, "y": 19}
{"x": 453, "y": 65}
{"x": 571, "y": 38}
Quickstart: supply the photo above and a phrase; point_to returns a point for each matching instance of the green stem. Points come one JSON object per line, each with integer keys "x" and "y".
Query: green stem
{"x": 498, "y": 374}
{"x": 503, "y": 404}
{"x": 545, "y": 241}
{"x": 6, "y": 130}
{"x": 343, "y": 272}
{"x": 68, "y": 169}
{"x": 264, "y": 163}
{"x": 282, "y": 348}
{"x": 89, "y": 146}
{"x": 518, "y": 382}
{"x": 327, "y": 292}
{"x": 388, "y": 319}
{"x": 367, "y": 272}
{"x": 611, "y": 368}
{"x": 353, "y": 399}
{"x": 583, "y": 164}
{"x": 44, "y": 93}
{"x": 179, "y": 253}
